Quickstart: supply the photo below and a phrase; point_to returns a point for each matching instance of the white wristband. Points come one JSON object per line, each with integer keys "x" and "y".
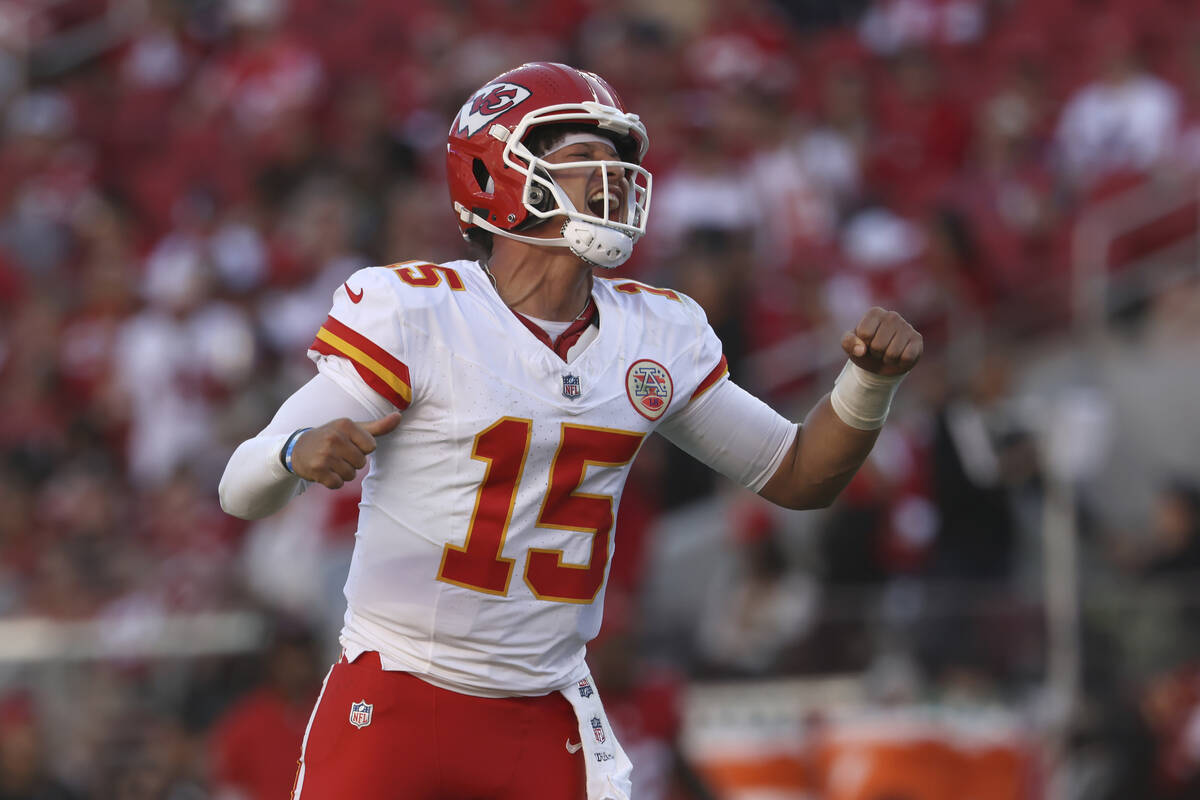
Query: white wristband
{"x": 862, "y": 399}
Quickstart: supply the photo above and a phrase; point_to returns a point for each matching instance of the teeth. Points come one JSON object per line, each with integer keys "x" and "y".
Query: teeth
{"x": 598, "y": 197}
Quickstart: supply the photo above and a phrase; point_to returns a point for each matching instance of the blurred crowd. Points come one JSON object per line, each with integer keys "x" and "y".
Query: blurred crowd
{"x": 183, "y": 187}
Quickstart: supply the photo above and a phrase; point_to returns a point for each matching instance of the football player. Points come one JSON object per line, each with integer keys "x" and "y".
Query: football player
{"x": 499, "y": 404}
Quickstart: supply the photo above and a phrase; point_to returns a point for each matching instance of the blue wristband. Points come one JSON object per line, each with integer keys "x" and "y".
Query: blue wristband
{"x": 288, "y": 447}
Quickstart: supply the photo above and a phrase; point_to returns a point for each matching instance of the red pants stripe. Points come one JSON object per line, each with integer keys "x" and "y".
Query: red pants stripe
{"x": 419, "y": 742}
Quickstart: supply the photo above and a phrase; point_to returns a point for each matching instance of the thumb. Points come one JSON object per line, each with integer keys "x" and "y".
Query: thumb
{"x": 853, "y": 345}
{"x": 378, "y": 427}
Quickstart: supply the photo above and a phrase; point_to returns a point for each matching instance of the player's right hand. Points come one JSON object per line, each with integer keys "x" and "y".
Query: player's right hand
{"x": 331, "y": 454}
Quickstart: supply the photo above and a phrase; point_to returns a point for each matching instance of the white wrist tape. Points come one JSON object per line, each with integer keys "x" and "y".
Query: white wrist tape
{"x": 862, "y": 399}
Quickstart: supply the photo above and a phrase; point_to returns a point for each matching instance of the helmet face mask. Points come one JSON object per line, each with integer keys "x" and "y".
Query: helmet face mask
{"x": 541, "y": 183}
{"x": 499, "y": 185}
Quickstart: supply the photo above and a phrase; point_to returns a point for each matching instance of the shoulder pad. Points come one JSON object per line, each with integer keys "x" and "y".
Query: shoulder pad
{"x": 408, "y": 284}
{"x": 668, "y": 304}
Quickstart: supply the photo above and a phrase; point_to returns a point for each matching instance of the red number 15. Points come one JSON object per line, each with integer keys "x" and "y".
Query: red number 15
{"x": 503, "y": 447}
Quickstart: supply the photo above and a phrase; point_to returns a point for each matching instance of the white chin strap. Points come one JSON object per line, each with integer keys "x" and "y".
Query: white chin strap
{"x": 596, "y": 244}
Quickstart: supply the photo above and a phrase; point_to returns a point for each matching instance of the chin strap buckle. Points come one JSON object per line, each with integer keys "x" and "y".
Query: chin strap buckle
{"x": 598, "y": 245}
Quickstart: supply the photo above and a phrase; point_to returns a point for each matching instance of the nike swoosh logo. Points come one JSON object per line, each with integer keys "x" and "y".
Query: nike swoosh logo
{"x": 574, "y": 748}
{"x": 354, "y": 298}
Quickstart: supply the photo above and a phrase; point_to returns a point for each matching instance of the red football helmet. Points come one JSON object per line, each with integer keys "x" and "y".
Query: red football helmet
{"x": 499, "y": 185}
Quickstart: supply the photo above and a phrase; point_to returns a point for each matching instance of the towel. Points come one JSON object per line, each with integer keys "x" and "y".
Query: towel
{"x": 609, "y": 770}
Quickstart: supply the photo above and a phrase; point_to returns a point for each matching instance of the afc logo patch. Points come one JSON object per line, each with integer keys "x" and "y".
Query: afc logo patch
{"x": 649, "y": 387}
{"x": 488, "y": 103}
{"x": 598, "y": 730}
{"x": 585, "y": 689}
{"x": 360, "y": 714}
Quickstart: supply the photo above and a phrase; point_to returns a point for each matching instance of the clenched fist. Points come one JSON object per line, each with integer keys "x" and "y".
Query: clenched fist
{"x": 331, "y": 454}
{"x": 883, "y": 343}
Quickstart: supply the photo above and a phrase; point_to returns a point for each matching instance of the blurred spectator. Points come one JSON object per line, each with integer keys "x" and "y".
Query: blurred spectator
{"x": 11, "y": 66}
{"x": 976, "y": 536}
{"x": 412, "y": 224}
{"x": 891, "y": 25}
{"x": 1004, "y": 197}
{"x": 256, "y": 742}
{"x": 18, "y": 540}
{"x": 45, "y": 175}
{"x": 150, "y": 757}
{"x": 155, "y": 67}
{"x": 797, "y": 179}
{"x": 84, "y": 511}
{"x": 23, "y": 772}
{"x": 1127, "y": 119}
{"x": 265, "y": 78}
{"x": 883, "y": 527}
{"x": 155, "y": 58}
{"x": 880, "y": 250}
{"x": 104, "y": 296}
{"x": 296, "y": 561}
{"x": 1112, "y": 751}
{"x": 191, "y": 545}
{"x": 1188, "y": 146}
{"x": 1171, "y": 707}
{"x": 715, "y": 269}
{"x": 176, "y": 357}
{"x": 706, "y": 189}
{"x": 643, "y": 701}
{"x": 1163, "y": 558}
{"x": 745, "y": 44}
{"x": 1174, "y": 536}
{"x": 318, "y": 237}
{"x": 923, "y": 134}
{"x": 760, "y": 607}
{"x": 844, "y": 125}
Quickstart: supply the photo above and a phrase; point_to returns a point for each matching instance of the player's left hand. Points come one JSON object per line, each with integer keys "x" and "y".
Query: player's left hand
{"x": 884, "y": 343}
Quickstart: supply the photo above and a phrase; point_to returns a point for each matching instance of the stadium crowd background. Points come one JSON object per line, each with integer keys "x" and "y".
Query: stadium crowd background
{"x": 183, "y": 183}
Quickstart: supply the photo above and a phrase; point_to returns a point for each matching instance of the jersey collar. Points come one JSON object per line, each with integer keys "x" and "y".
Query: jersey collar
{"x": 567, "y": 339}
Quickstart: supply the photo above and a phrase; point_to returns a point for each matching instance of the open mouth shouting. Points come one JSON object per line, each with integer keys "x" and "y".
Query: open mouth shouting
{"x": 614, "y": 210}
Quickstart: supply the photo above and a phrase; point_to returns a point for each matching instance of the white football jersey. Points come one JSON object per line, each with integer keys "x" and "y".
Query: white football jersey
{"x": 486, "y": 525}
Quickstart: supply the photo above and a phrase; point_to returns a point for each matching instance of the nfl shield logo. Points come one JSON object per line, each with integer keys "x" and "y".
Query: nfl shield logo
{"x": 571, "y": 388}
{"x": 360, "y": 714}
{"x": 585, "y": 688}
{"x": 598, "y": 729}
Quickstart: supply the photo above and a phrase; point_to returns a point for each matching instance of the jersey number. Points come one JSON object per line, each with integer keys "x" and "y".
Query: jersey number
{"x": 427, "y": 276}
{"x": 631, "y": 287}
{"x": 503, "y": 447}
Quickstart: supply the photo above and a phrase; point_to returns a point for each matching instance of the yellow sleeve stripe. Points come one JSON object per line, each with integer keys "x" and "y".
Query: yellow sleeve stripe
{"x": 382, "y": 372}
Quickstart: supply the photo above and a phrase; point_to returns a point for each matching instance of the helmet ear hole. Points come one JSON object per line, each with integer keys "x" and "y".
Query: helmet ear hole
{"x": 482, "y": 176}
{"x": 539, "y": 196}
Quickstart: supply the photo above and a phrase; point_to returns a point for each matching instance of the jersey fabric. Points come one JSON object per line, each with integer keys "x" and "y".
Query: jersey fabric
{"x": 486, "y": 523}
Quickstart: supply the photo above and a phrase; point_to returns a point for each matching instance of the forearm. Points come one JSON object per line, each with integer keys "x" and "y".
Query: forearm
{"x": 255, "y": 483}
{"x": 823, "y": 459}
{"x": 836, "y": 437}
